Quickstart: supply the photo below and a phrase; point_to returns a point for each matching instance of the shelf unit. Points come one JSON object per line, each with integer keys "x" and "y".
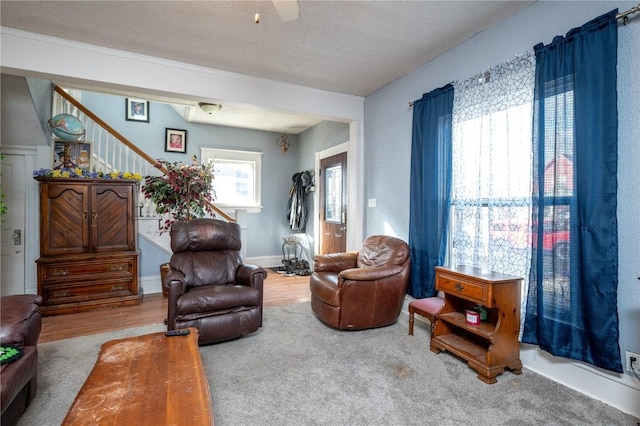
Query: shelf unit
{"x": 491, "y": 346}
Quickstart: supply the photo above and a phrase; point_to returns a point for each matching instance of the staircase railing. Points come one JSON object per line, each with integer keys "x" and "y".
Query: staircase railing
{"x": 112, "y": 151}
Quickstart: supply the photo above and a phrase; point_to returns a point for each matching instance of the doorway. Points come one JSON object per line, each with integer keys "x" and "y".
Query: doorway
{"x": 12, "y": 253}
{"x": 333, "y": 204}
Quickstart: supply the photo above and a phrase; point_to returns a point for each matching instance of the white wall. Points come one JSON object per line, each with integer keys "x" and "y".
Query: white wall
{"x": 387, "y": 131}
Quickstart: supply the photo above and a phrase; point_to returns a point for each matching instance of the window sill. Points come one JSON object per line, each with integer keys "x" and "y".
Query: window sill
{"x": 231, "y": 209}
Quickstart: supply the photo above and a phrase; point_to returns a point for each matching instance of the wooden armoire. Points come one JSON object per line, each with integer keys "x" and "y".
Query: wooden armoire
{"x": 88, "y": 251}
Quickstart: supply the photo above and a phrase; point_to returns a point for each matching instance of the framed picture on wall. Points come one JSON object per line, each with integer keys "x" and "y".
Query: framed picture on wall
{"x": 71, "y": 155}
{"x": 137, "y": 110}
{"x": 175, "y": 140}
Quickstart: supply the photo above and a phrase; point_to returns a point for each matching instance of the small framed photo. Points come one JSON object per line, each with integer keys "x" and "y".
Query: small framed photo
{"x": 71, "y": 155}
{"x": 175, "y": 141}
{"x": 137, "y": 110}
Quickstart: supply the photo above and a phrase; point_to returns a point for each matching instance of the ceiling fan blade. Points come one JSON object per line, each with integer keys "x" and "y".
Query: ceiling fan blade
{"x": 287, "y": 9}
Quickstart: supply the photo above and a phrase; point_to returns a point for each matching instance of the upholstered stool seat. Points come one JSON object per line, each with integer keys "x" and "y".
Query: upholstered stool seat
{"x": 427, "y": 307}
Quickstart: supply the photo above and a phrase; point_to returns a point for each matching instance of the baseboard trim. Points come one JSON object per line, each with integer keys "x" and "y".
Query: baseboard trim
{"x": 618, "y": 390}
{"x": 150, "y": 284}
{"x": 265, "y": 261}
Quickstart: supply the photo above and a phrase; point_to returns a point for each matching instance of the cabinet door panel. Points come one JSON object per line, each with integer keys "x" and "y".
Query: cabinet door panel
{"x": 65, "y": 209}
{"x": 112, "y": 224}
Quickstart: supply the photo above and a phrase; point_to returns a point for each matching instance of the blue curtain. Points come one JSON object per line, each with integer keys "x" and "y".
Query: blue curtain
{"x": 430, "y": 187}
{"x": 572, "y": 300}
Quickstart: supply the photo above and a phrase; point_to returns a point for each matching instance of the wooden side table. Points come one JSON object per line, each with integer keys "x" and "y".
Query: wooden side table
{"x": 491, "y": 346}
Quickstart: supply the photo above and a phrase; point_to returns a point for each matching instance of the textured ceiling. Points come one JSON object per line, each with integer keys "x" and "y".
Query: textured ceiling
{"x": 352, "y": 47}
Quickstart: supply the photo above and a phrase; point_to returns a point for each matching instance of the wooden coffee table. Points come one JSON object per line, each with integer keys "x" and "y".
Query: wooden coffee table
{"x": 145, "y": 380}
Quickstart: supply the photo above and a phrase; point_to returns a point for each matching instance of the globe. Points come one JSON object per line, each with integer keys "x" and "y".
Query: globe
{"x": 66, "y": 127}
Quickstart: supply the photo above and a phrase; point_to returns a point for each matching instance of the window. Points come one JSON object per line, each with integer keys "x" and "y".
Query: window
{"x": 490, "y": 217}
{"x": 237, "y": 177}
{"x": 491, "y": 207}
{"x": 554, "y": 199}
{"x": 492, "y": 170}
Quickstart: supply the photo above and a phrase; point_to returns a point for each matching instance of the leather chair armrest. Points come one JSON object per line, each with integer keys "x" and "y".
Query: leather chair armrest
{"x": 254, "y": 276}
{"x": 21, "y": 320}
{"x": 177, "y": 285}
{"x": 369, "y": 274}
{"x": 335, "y": 262}
{"x": 250, "y": 274}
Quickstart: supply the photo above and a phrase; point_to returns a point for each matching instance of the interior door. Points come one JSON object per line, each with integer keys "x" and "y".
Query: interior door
{"x": 12, "y": 257}
{"x": 333, "y": 204}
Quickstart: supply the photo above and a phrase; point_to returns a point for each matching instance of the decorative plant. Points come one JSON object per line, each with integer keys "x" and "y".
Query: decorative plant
{"x": 183, "y": 193}
{"x": 83, "y": 173}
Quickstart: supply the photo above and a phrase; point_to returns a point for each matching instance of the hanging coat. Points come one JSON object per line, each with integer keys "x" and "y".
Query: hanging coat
{"x": 297, "y": 209}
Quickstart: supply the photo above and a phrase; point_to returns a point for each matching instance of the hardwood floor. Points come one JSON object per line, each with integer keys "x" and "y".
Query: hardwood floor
{"x": 278, "y": 290}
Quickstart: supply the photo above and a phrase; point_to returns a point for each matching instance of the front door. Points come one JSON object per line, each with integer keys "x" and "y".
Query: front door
{"x": 12, "y": 257}
{"x": 333, "y": 204}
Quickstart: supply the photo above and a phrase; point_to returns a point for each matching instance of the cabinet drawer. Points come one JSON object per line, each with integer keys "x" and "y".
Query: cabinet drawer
{"x": 56, "y": 270}
{"x": 78, "y": 290}
{"x": 462, "y": 288}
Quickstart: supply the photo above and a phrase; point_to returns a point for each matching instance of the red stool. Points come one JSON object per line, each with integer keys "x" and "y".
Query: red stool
{"x": 427, "y": 308}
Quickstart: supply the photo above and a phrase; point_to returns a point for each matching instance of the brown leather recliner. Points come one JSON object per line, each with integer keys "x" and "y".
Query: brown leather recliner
{"x": 209, "y": 286}
{"x": 364, "y": 289}
{"x": 20, "y": 325}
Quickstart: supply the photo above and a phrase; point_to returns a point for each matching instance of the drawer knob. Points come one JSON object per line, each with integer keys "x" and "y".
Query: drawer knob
{"x": 61, "y": 293}
{"x": 59, "y": 272}
{"x": 116, "y": 287}
{"x": 459, "y": 287}
{"x": 117, "y": 268}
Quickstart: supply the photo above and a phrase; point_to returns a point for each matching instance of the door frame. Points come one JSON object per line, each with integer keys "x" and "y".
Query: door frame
{"x": 31, "y": 232}
{"x": 355, "y": 187}
{"x": 329, "y": 230}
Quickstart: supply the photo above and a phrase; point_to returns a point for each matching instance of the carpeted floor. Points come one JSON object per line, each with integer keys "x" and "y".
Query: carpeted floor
{"x": 297, "y": 371}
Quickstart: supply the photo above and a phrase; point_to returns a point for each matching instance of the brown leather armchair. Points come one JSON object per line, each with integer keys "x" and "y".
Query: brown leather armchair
{"x": 364, "y": 289}
{"x": 20, "y": 325}
{"x": 209, "y": 286}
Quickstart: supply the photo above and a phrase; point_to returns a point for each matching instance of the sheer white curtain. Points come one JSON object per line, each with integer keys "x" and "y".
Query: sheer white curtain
{"x": 492, "y": 157}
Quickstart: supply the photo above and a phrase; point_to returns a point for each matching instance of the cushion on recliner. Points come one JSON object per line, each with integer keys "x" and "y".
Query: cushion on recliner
{"x": 217, "y": 298}
{"x": 324, "y": 286}
{"x": 380, "y": 250}
{"x": 204, "y": 235}
{"x": 207, "y": 267}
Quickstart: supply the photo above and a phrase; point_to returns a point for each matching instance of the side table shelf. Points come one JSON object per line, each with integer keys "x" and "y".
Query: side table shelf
{"x": 491, "y": 346}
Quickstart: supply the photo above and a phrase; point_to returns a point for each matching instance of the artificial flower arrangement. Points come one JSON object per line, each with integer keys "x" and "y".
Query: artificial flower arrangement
{"x": 83, "y": 173}
{"x": 184, "y": 192}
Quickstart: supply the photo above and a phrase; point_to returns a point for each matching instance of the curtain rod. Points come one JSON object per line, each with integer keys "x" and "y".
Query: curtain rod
{"x": 625, "y": 15}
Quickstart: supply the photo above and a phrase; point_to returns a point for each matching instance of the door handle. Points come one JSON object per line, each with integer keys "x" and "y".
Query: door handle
{"x": 17, "y": 237}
